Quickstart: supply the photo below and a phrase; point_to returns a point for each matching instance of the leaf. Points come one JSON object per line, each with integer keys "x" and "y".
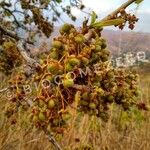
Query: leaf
{"x": 58, "y": 1}
{"x": 138, "y": 1}
{"x": 93, "y": 17}
{"x": 108, "y": 23}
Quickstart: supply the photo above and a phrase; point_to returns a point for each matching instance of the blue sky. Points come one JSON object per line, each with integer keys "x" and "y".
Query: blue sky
{"x": 102, "y": 8}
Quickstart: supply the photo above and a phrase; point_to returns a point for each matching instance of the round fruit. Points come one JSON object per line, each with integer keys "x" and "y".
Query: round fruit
{"x": 66, "y": 28}
{"x": 35, "y": 119}
{"x": 74, "y": 61}
{"x": 79, "y": 39}
{"x": 53, "y": 68}
{"x": 85, "y": 96}
{"x": 110, "y": 98}
{"x": 54, "y": 54}
{"x": 57, "y": 44}
{"x": 110, "y": 74}
{"x": 66, "y": 116}
{"x": 92, "y": 105}
{"x": 68, "y": 83}
{"x": 84, "y": 60}
{"x": 51, "y": 103}
{"x": 97, "y": 48}
{"x": 42, "y": 116}
{"x": 68, "y": 67}
{"x": 83, "y": 103}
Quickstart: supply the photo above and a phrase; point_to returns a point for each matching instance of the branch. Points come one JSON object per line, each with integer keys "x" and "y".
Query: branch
{"x": 21, "y": 48}
{"x": 89, "y": 35}
{"x": 123, "y": 6}
{"x": 52, "y": 140}
{"x": 13, "y": 35}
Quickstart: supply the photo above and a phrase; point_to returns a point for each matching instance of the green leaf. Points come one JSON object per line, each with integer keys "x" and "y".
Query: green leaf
{"x": 58, "y": 1}
{"x": 138, "y": 1}
{"x": 93, "y": 17}
{"x": 108, "y": 23}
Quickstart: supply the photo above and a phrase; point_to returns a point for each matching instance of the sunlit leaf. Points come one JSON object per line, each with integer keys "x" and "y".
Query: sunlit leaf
{"x": 93, "y": 17}
{"x": 108, "y": 23}
{"x": 138, "y": 1}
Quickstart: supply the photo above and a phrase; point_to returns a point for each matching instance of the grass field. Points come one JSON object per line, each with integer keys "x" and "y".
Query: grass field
{"x": 123, "y": 131}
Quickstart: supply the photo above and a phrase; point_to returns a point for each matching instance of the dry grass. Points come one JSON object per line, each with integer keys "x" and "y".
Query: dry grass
{"x": 123, "y": 131}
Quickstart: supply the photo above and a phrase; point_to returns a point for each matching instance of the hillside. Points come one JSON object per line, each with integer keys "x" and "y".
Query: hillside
{"x": 127, "y": 41}
{"x": 118, "y": 41}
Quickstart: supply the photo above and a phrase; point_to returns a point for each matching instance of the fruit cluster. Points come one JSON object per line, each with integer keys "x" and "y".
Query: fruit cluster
{"x": 129, "y": 18}
{"x": 9, "y": 56}
{"x": 78, "y": 71}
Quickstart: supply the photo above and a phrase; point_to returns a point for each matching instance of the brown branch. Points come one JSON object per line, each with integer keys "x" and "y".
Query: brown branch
{"x": 123, "y": 6}
{"x": 13, "y": 35}
{"x": 89, "y": 35}
{"x": 82, "y": 88}
{"x": 21, "y": 49}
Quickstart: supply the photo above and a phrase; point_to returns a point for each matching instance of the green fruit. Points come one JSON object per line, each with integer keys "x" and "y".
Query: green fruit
{"x": 51, "y": 103}
{"x": 104, "y": 45}
{"x": 65, "y": 28}
{"x": 68, "y": 67}
{"x": 66, "y": 117}
{"x": 35, "y": 119}
{"x": 92, "y": 105}
{"x": 104, "y": 58}
{"x": 54, "y": 54}
{"x": 57, "y": 44}
{"x": 68, "y": 83}
{"x": 97, "y": 48}
{"x": 85, "y": 96}
{"x": 74, "y": 61}
{"x": 100, "y": 91}
{"x": 53, "y": 68}
{"x": 79, "y": 39}
{"x": 110, "y": 74}
{"x": 56, "y": 122}
{"x": 41, "y": 103}
{"x": 110, "y": 98}
{"x": 42, "y": 116}
{"x": 50, "y": 78}
{"x": 83, "y": 103}
{"x": 84, "y": 60}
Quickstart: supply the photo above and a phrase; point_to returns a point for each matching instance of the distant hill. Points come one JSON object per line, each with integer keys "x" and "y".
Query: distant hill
{"x": 121, "y": 41}
{"x": 118, "y": 41}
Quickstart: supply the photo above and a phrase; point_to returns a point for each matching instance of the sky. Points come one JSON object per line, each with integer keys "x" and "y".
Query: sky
{"x": 104, "y": 7}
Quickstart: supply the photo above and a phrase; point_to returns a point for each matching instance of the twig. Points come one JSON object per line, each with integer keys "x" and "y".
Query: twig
{"x": 89, "y": 35}
{"x": 123, "y": 6}
{"x": 52, "y": 140}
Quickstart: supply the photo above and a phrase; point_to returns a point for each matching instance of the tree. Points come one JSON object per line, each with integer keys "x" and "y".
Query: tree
{"x": 72, "y": 52}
